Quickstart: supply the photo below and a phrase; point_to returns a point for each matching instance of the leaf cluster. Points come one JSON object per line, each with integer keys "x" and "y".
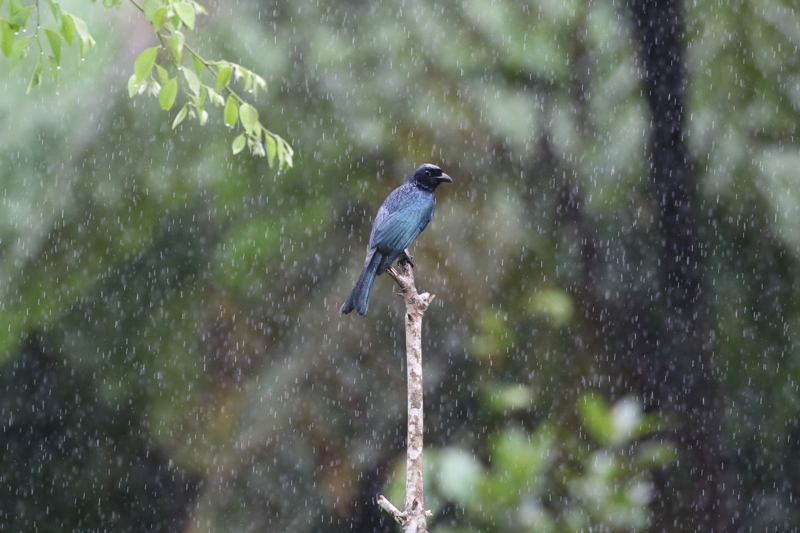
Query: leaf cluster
{"x": 46, "y": 37}
{"x": 162, "y": 72}
{"x": 553, "y": 479}
{"x": 167, "y": 71}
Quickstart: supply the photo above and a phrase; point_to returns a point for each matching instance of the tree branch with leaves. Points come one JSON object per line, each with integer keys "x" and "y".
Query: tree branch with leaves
{"x": 172, "y": 71}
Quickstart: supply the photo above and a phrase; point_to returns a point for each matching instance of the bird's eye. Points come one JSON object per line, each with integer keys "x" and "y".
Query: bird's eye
{"x": 427, "y": 172}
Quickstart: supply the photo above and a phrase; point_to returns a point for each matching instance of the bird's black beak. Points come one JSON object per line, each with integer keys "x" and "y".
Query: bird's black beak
{"x": 445, "y": 177}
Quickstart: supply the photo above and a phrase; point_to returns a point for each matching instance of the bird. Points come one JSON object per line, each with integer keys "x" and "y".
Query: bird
{"x": 401, "y": 218}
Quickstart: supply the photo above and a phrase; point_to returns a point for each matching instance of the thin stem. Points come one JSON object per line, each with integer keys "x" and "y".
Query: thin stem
{"x": 207, "y": 64}
{"x": 38, "y": 26}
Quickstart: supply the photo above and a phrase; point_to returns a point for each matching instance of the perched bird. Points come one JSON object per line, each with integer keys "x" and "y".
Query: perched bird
{"x": 404, "y": 214}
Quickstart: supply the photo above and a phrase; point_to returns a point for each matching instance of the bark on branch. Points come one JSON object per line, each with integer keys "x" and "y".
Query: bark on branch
{"x": 413, "y": 517}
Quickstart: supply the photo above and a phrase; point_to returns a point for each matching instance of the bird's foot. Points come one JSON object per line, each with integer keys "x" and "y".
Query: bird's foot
{"x": 405, "y": 257}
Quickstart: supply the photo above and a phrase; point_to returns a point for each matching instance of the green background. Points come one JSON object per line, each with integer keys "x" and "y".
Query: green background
{"x": 171, "y": 356}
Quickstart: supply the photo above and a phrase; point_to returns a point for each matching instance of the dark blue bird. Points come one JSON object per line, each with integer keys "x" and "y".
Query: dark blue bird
{"x": 402, "y": 217}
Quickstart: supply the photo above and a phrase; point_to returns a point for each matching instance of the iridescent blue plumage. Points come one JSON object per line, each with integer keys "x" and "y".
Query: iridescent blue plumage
{"x": 401, "y": 218}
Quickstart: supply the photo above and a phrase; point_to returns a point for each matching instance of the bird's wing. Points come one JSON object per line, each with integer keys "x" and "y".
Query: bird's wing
{"x": 393, "y": 232}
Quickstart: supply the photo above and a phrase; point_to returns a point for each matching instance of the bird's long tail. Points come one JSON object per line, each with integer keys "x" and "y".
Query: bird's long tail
{"x": 359, "y": 298}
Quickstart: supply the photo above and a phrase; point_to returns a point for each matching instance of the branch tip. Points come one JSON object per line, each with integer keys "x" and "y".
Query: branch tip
{"x": 396, "y": 513}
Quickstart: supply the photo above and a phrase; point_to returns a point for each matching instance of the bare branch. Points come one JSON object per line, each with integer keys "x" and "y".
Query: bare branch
{"x": 413, "y": 518}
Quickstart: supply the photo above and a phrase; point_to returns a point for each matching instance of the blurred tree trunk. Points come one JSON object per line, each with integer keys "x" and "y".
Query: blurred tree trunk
{"x": 658, "y": 344}
{"x": 676, "y": 374}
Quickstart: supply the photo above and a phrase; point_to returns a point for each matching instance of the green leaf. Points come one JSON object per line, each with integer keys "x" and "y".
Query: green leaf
{"x": 198, "y": 64}
{"x": 169, "y": 23}
{"x": 249, "y": 117}
{"x": 36, "y": 77}
{"x": 19, "y": 17}
{"x": 284, "y": 153}
{"x": 201, "y": 97}
{"x": 654, "y": 454}
{"x": 199, "y": 105}
{"x": 223, "y": 77}
{"x": 167, "y": 94}
{"x": 260, "y": 82}
{"x": 55, "y": 43}
{"x": 55, "y": 9}
{"x": 144, "y": 63}
{"x": 163, "y": 75}
{"x": 18, "y": 50}
{"x": 87, "y": 41}
{"x": 519, "y": 463}
{"x": 198, "y": 8}
{"x": 255, "y": 144}
{"x": 271, "y": 148}
{"x": 186, "y": 13}
{"x": 231, "y": 112}
{"x": 287, "y": 153}
{"x": 238, "y": 143}
{"x": 134, "y": 85}
{"x": 159, "y": 18}
{"x": 67, "y": 28}
{"x": 53, "y": 64}
{"x": 6, "y": 37}
{"x": 597, "y": 418}
{"x": 192, "y": 80}
{"x": 502, "y": 398}
{"x": 181, "y": 115}
{"x": 176, "y": 41}
{"x": 150, "y": 7}
{"x": 214, "y": 96}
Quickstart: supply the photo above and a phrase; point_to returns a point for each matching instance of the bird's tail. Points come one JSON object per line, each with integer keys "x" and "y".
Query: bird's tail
{"x": 359, "y": 298}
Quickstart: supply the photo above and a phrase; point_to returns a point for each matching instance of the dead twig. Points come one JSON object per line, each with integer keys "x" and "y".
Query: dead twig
{"x": 413, "y": 517}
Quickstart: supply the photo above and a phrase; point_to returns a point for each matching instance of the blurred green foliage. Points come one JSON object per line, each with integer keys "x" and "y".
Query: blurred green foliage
{"x": 175, "y": 305}
{"x": 551, "y": 479}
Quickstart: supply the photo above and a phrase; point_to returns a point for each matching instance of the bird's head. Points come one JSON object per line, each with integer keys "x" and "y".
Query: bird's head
{"x": 430, "y": 176}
